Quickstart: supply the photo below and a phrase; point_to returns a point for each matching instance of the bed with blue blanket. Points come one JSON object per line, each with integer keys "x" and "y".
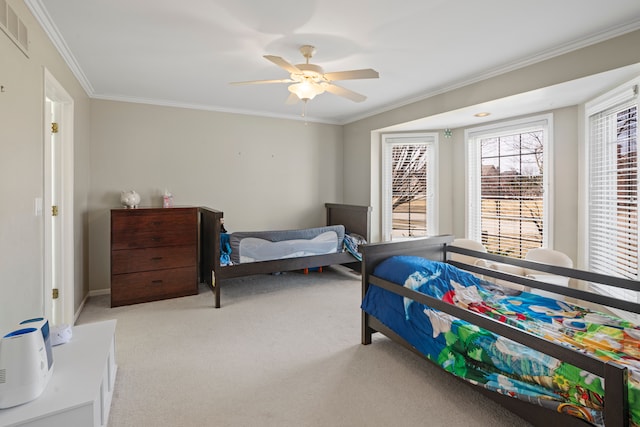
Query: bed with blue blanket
{"x": 228, "y": 255}
{"x": 551, "y": 361}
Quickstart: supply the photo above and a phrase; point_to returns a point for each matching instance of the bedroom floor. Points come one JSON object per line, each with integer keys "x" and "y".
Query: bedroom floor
{"x": 284, "y": 350}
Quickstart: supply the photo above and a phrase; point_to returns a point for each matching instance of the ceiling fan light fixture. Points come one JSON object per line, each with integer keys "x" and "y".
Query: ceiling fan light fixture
{"x": 306, "y": 90}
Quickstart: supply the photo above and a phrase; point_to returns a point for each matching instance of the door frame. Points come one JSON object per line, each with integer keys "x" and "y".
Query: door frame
{"x": 56, "y": 93}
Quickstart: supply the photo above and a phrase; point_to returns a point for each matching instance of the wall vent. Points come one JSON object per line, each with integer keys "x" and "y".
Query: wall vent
{"x": 13, "y": 27}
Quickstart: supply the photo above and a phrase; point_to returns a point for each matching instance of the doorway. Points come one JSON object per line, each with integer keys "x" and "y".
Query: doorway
{"x": 58, "y": 284}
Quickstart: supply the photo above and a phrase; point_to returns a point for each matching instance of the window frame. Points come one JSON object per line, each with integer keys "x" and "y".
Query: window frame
{"x": 473, "y": 170}
{"x": 619, "y": 96}
{"x": 388, "y": 141}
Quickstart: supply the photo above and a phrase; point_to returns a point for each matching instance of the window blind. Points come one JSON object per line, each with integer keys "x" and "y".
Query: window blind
{"x": 613, "y": 193}
{"x": 409, "y": 189}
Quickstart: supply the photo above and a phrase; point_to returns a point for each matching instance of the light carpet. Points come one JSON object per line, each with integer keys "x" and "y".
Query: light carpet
{"x": 284, "y": 350}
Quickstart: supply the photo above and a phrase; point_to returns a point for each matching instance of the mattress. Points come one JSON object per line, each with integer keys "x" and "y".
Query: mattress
{"x": 496, "y": 363}
{"x": 256, "y": 246}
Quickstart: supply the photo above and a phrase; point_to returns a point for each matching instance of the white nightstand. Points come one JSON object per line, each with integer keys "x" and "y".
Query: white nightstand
{"x": 81, "y": 386}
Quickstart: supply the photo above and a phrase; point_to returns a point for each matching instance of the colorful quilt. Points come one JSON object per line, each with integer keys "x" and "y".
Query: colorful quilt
{"x": 496, "y": 363}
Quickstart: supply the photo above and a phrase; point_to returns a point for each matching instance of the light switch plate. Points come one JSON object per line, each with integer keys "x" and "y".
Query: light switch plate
{"x": 38, "y": 206}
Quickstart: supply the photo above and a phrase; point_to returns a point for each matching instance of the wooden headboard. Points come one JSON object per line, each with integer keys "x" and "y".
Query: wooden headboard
{"x": 356, "y": 219}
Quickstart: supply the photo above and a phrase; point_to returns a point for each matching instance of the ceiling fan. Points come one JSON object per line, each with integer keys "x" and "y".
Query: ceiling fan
{"x": 308, "y": 80}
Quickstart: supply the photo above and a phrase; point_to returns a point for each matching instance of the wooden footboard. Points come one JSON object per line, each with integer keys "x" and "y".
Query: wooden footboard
{"x": 356, "y": 219}
{"x": 615, "y": 376}
{"x": 373, "y": 254}
{"x": 210, "y": 222}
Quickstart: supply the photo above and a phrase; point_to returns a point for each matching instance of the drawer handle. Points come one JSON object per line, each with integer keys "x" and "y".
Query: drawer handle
{"x": 157, "y": 282}
{"x": 156, "y": 258}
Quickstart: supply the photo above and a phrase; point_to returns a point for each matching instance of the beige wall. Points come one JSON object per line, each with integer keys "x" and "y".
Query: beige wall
{"x": 21, "y": 171}
{"x": 263, "y": 173}
{"x": 362, "y": 142}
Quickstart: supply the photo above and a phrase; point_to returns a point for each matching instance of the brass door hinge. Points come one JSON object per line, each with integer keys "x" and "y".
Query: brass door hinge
{"x": 54, "y": 210}
{"x": 54, "y": 127}
{"x": 54, "y": 293}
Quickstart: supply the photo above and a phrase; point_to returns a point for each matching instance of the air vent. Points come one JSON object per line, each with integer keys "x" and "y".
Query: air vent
{"x": 13, "y": 27}
{"x": 3, "y": 376}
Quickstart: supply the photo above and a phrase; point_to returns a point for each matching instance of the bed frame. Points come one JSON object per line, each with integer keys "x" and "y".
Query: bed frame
{"x": 437, "y": 248}
{"x": 356, "y": 219}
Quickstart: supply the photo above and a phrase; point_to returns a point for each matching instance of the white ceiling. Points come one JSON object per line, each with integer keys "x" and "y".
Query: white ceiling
{"x": 185, "y": 53}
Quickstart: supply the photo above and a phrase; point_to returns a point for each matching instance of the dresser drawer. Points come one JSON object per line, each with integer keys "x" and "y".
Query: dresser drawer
{"x": 134, "y": 288}
{"x": 145, "y": 228}
{"x": 146, "y": 259}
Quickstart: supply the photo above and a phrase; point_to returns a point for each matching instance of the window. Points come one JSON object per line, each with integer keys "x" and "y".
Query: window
{"x": 507, "y": 167}
{"x": 409, "y": 172}
{"x": 613, "y": 187}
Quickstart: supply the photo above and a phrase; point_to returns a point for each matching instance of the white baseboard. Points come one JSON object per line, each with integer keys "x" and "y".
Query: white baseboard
{"x": 94, "y": 293}
{"x": 79, "y": 310}
{"x": 97, "y": 292}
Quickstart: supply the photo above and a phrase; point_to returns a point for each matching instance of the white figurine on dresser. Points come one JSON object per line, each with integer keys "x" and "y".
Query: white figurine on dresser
{"x": 129, "y": 199}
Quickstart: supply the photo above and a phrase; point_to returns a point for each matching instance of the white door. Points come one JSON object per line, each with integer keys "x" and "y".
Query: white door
{"x": 58, "y": 288}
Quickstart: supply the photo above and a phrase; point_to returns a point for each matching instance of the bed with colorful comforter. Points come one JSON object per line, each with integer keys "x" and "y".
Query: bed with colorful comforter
{"x": 498, "y": 364}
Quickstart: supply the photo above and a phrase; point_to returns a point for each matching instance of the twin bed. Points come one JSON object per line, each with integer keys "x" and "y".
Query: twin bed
{"x": 548, "y": 360}
{"x": 264, "y": 252}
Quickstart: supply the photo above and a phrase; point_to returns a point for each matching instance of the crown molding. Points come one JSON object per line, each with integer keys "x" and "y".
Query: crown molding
{"x": 205, "y": 107}
{"x": 42, "y": 16}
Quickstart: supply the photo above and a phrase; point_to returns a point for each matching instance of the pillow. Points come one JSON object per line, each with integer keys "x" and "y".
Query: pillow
{"x": 507, "y": 268}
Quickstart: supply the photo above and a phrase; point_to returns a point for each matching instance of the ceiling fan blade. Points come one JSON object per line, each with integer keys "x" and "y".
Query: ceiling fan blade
{"x": 259, "y": 82}
{"x": 283, "y": 63}
{"x": 340, "y": 91}
{"x": 292, "y": 99}
{"x": 367, "y": 73}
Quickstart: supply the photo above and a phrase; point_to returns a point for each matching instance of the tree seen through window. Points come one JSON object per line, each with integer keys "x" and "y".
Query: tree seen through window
{"x": 409, "y": 190}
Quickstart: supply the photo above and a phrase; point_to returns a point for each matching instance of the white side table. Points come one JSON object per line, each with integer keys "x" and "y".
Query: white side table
{"x": 81, "y": 387}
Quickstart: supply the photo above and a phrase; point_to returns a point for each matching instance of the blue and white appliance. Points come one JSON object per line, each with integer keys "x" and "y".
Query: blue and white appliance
{"x": 26, "y": 362}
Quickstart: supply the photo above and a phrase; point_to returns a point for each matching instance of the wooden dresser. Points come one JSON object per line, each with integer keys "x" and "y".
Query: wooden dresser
{"x": 154, "y": 254}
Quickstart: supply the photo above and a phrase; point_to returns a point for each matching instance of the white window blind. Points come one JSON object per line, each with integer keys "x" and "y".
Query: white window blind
{"x": 506, "y": 198}
{"x": 409, "y": 182}
{"x": 613, "y": 189}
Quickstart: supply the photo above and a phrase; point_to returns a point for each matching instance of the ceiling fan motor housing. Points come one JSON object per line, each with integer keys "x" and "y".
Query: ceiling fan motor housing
{"x": 307, "y": 51}
{"x": 311, "y": 71}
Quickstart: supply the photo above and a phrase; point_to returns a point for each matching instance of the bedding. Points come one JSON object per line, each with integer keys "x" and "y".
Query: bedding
{"x": 496, "y": 363}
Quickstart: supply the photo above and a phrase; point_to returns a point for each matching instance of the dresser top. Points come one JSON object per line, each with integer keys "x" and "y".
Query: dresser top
{"x": 153, "y": 208}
